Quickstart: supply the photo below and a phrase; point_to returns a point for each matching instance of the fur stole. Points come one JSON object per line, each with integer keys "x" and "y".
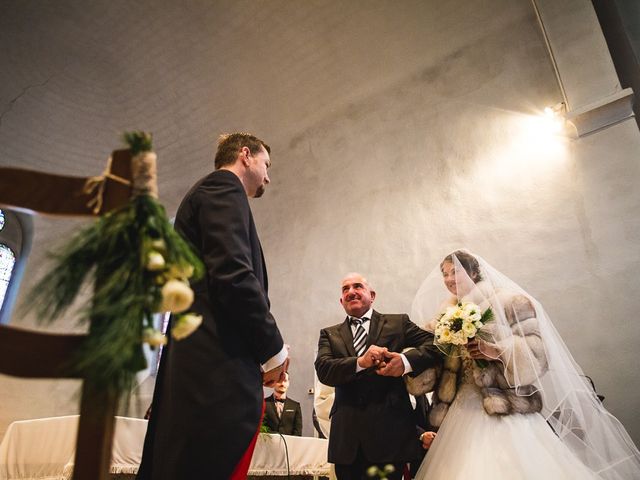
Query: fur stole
{"x": 522, "y": 363}
{"x": 498, "y": 398}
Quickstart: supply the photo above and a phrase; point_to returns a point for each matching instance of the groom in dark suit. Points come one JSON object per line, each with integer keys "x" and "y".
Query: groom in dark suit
{"x": 372, "y": 420}
{"x": 208, "y": 399}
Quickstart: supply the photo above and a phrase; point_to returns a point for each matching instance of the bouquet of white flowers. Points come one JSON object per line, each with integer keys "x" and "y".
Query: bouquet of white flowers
{"x": 458, "y": 324}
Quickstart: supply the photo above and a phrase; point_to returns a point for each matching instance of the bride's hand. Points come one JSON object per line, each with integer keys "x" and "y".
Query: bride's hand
{"x": 481, "y": 350}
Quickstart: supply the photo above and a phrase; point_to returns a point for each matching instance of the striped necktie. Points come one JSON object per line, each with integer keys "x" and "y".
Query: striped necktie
{"x": 360, "y": 337}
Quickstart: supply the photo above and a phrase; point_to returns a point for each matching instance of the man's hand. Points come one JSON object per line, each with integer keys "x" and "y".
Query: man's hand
{"x": 393, "y": 366}
{"x": 373, "y": 357}
{"x": 275, "y": 375}
{"x": 427, "y": 439}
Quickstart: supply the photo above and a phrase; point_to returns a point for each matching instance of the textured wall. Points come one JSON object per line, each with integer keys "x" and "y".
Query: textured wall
{"x": 400, "y": 130}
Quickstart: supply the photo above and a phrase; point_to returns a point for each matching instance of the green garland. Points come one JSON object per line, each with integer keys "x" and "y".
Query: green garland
{"x": 114, "y": 256}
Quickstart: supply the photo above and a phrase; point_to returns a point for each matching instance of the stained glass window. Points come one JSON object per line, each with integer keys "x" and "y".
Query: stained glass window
{"x": 7, "y": 260}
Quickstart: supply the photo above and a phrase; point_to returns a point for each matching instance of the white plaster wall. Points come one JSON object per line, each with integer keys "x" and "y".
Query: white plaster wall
{"x": 442, "y": 159}
{"x": 399, "y": 132}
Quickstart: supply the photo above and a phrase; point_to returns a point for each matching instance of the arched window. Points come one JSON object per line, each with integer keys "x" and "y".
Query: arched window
{"x": 7, "y": 261}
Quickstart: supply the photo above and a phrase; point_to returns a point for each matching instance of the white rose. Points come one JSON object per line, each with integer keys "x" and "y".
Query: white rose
{"x": 155, "y": 261}
{"x": 469, "y": 329}
{"x": 445, "y": 335}
{"x": 372, "y": 471}
{"x": 458, "y": 338}
{"x": 185, "y": 325}
{"x": 153, "y": 337}
{"x": 177, "y": 296}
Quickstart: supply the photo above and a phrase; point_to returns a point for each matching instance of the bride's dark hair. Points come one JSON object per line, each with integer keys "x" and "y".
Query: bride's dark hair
{"x": 468, "y": 261}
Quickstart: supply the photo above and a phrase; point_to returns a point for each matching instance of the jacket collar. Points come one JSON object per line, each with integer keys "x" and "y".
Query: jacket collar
{"x": 347, "y": 336}
{"x": 377, "y": 321}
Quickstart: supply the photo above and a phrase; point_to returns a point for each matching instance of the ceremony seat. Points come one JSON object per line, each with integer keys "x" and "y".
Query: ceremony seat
{"x": 34, "y": 354}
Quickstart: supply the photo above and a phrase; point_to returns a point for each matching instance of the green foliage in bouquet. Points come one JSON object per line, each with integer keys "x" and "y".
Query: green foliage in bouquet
{"x": 113, "y": 256}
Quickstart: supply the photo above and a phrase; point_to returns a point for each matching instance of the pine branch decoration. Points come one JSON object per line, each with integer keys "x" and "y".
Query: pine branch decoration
{"x": 129, "y": 256}
{"x": 138, "y": 141}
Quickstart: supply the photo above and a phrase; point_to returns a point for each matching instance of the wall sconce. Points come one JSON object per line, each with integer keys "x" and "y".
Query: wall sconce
{"x": 579, "y": 122}
{"x": 592, "y": 118}
{"x": 555, "y": 115}
{"x": 604, "y": 113}
{"x": 556, "y": 118}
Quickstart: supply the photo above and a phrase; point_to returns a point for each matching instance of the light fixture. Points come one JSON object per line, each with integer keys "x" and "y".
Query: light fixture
{"x": 555, "y": 117}
{"x": 582, "y": 120}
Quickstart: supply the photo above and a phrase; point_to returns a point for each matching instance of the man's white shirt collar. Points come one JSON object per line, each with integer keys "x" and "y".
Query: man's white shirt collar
{"x": 365, "y": 325}
{"x": 366, "y": 315}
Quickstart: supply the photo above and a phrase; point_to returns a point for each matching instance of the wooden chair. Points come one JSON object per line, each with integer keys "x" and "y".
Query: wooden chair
{"x": 33, "y": 354}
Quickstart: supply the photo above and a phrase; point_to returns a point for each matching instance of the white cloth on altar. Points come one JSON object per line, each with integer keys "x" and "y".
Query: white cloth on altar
{"x": 38, "y": 449}
{"x": 307, "y": 455}
{"x": 44, "y": 449}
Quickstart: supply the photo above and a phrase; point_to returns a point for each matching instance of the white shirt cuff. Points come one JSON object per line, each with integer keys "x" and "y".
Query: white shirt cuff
{"x": 358, "y": 367}
{"x": 277, "y": 360}
{"x": 407, "y": 365}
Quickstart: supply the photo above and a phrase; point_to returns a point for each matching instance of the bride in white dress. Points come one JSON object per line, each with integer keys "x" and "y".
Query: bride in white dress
{"x": 530, "y": 413}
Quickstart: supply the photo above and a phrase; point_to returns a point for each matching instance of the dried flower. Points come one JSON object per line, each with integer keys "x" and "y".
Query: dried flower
{"x": 177, "y": 296}
{"x": 155, "y": 261}
{"x": 185, "y": 325}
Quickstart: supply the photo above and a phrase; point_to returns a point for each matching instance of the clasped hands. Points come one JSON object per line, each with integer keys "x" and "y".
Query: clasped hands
{"x": 386, "y": 363}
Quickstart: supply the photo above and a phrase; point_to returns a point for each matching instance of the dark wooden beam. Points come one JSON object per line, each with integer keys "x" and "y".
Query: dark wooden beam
{"x": 47, "y": 193}
{"x": 31, "y": 354}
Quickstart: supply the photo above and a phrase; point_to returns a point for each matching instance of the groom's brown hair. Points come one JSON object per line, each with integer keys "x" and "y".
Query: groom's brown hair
{"x": 229, "y": 144}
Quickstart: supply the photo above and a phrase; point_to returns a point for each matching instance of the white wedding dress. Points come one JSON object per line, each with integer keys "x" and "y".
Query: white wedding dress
{"x": 581, "y": 439}
{"x": 473, "y": 445}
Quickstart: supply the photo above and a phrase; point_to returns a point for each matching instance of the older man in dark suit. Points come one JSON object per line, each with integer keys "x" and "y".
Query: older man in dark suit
{"x": 208, "y": 399}
{"x": 372, "y": 420}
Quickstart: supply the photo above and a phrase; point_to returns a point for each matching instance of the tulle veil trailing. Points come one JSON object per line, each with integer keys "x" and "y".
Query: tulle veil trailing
{"x": 570, "y": 405}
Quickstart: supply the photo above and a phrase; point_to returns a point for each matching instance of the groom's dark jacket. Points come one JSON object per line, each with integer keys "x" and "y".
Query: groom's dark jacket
{"x": 370, "y": 411}
{"x": 208, "y": 397}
